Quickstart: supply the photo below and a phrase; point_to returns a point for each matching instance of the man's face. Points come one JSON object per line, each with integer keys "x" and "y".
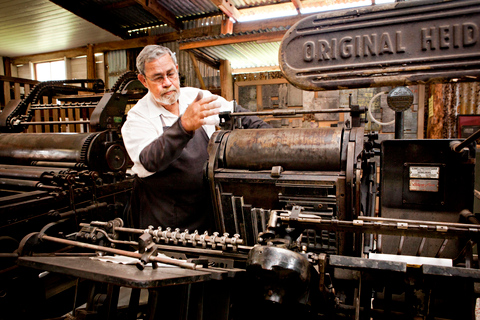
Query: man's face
{"x": 161, "y": 79}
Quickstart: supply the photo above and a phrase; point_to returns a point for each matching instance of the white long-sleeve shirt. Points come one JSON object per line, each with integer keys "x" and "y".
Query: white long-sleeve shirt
{"x": 143, "y": 124}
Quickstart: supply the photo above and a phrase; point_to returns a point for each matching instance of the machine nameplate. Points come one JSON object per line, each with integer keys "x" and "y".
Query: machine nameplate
{"x": 423, "y": 185}
{"x": 383, "y": 45}
{"x": 424, "y": 172}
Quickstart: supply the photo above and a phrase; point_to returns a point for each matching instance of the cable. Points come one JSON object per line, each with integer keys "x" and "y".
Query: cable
{"x": 370, "y": 110}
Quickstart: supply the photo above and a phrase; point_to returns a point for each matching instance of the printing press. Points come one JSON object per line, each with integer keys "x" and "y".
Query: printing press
{"x": 321, "y": 223}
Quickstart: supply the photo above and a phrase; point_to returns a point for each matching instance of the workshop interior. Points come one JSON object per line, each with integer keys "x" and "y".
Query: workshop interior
{"x": 361, "y": 201}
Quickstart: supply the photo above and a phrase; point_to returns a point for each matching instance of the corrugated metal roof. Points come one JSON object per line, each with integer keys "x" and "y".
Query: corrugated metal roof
{"x": 37, "y": 26}
{"x": 190, "y": 8}
{"x": 246, "y": 55}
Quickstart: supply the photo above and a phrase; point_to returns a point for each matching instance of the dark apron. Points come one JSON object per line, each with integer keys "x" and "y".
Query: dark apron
{"x": 178, "y": 196}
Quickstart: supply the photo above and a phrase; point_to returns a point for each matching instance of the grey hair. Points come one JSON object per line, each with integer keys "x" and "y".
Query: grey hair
{"x": 152, "y": 52}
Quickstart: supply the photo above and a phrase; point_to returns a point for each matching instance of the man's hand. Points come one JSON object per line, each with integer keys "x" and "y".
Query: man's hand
{"x": 198, "y": 110}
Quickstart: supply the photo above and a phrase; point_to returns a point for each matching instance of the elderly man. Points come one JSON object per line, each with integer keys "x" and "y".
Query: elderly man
{"x": 166, "y": 135}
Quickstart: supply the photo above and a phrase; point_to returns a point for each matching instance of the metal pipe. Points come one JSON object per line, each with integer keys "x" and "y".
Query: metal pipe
{"x": 26, "y": 183}
{"x": 22, "y": 174}
{"x": 279, "y": 113}
{"x": 399, "y": 118}
{"x": 136, "y": 255}
{"x": 31, "y": 123}
{"x": 439, "y": 230}
{"x": 421, "y": 222}
{"x": 459, "y": 147}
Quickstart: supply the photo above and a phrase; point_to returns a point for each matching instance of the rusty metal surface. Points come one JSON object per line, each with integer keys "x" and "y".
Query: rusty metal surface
{"x": 395, "y": 44}
{"x": 293, "y": 149}
{"x": 16, "y": 147}
{"x": 114, "y": 273}
{"x": 100, "y": 151}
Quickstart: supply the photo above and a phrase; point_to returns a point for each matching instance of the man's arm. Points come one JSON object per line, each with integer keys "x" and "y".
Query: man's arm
{"x": 165, "y": 149}
{"x": 251, "y": 122}
{"x": 149, "y": 148}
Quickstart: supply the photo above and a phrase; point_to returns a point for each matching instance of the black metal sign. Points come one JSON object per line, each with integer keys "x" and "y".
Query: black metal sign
{"x": 395, "y": 44}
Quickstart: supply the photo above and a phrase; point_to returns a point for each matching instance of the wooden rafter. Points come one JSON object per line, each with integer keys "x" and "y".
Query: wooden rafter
{"x": 159, "y": 11}
{"x": 261, "y": 37}
{"x": 197, "y": 70}
{"x": 298, "y": 5}
{"x": 228, "y": 8}
{"x": 203, "y": 57}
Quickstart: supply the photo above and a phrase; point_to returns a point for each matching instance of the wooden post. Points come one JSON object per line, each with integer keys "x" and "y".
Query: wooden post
{"x": 421, "y": 111}
{"x": 435, "y": 112}
{"x": 27, "y": 91}
{"x": 197, "y": 70}
{"x": 63, "y": 117}
{"x": 227, "y": 26}
{"x": 16, "y": 90}
{"x": 6, "y": 91}
{"x": 90, "y": 64}
{"x": 46, "y": 115}
{"x": 226, "y": 80}
{"x": 7, "y": 66}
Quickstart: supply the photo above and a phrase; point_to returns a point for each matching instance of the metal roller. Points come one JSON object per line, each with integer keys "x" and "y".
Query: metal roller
{"x": 100, "y": 151}
{"x": 293, "y": 149}
{"x": 47, "y": 146}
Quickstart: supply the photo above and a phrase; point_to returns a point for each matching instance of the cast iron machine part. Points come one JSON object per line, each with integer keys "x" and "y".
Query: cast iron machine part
{"x": 108, "y": 106}
{"x": 330, "y": 173}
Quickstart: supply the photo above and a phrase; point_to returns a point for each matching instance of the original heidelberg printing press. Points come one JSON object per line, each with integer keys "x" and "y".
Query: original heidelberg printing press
{"x": 305, "y": 228}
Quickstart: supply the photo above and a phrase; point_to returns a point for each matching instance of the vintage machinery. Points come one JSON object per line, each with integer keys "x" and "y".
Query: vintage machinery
{"x": 323, "y": 223}
{"x": 61, "y": 176}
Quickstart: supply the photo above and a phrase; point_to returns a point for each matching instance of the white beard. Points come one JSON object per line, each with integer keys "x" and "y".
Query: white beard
{"x": 169, "y": 99}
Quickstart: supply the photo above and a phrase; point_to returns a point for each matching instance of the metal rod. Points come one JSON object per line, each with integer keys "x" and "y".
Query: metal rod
{"x": 440, "y": 230}
{"x": 54, "y": 122}
{"x": 21, "y": 174}
{"x": 421, "y": 222}
{"x": 399, "y": 118}
{"x": 165, "y": 260}
{"x": 26, "y": 183}
{"x": 467, "y": 141}
{"x": 288, "y": 112}
{"x": 174, "y": 235}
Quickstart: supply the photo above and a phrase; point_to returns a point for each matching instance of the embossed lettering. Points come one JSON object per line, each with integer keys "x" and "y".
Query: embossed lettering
{"x": 444, "y": 37}
{"x": 429, "y": 40}
{"x": 470, "y": 34}
{"x": 370, "y": 45}
{"x": 334, "y": 48}
{"x": 323, "y": 50}
{"x": 359, "y": 46}
{"x": 385, "y": 44}
{"x": 457, "y": 36}
{"x": 449, "y": 36}
{"x": 345, "y": 48}
{"x": 399, "y": 48}
{"x": 308, "y": 51}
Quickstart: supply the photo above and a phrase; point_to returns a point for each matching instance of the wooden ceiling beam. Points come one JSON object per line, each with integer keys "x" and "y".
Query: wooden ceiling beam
{"x": 228, "y": 8}
{"x": 162, "y": 13}
{"x": 256, "y": 37}
{"x": 203, "y": 57}
{"x": 119, "y": 45}
{"x": 298, "y": 5}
